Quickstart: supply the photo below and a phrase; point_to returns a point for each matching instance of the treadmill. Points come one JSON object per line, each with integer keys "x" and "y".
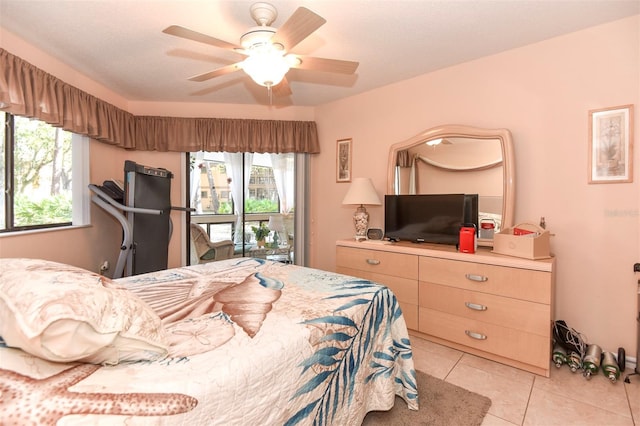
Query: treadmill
{"x": 142, "y": 206}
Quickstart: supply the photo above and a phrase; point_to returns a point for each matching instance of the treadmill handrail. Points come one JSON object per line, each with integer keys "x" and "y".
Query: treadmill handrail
{"x": 96, "y": 189}
{"x": 127, "y": 234}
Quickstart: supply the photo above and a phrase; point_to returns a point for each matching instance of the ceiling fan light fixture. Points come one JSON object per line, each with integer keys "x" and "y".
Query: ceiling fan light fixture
{"x": 266, "y": 66}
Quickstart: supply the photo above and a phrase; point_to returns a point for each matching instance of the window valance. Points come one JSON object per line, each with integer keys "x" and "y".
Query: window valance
{"x": 29, "y": 91}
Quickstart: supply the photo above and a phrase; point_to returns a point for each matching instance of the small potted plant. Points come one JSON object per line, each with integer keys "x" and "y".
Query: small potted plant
{"x": 261, "y": 233}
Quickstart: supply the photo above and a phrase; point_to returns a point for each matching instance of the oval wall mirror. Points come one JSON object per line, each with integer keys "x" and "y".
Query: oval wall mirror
{"x": 459, "y": 159}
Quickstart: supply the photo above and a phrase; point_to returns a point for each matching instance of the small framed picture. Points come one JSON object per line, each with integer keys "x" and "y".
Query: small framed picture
{"x": 611, "y": 145}
{"x": 343, "y": 160}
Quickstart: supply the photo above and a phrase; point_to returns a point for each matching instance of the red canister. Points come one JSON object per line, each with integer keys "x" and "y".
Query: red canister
{"x": 467, "y": 242}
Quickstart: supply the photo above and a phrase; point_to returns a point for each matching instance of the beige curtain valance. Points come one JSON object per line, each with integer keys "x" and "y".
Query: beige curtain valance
{"x": 28, "y": 91}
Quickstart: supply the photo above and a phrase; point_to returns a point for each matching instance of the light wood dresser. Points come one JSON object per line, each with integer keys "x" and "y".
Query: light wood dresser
{"x": 494, "y": 306}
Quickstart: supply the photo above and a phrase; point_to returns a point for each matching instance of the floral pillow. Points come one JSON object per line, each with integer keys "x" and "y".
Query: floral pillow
{"x": 62, "y": 313}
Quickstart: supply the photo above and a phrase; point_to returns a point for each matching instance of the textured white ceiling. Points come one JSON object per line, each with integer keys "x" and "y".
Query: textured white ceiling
{"x": 120, "y": 44}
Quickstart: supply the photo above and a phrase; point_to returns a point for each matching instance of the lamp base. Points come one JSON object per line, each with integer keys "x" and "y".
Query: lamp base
{"x": 361, "y": 222}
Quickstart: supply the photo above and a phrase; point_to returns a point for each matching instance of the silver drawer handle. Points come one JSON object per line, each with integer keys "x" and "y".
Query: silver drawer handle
{"x": 478, "y": 278}
{"x": 373, "y": 262}
{"x": 475, "y": 335}
{"x": 475, "y": 306}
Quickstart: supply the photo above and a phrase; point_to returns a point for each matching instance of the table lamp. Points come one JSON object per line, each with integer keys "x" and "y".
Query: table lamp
{"x": 276, "y": 224}
{"x": 361, "y": 192}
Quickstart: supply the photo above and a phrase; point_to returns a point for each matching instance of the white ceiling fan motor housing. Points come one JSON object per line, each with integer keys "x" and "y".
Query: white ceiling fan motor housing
{"x": 257, "y": 36}
{"x": 263, "y": 13}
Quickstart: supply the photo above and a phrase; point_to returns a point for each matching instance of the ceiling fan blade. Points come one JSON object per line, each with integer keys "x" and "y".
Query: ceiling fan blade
{"x": 178, "y": 31}
{"x": 217, "y": 72}
{"x": 299, "y": 26}
{"x": 282, "y": 89}
{"x": 326, "y": 65}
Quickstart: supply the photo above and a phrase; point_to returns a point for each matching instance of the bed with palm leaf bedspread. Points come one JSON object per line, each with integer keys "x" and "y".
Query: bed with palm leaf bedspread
{"x": 236, "y": 342}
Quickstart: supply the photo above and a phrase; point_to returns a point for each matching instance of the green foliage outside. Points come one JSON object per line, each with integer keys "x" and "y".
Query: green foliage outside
{"x": 224, "y": 208}
{"x": 40, "y": 147}
{"x": 252, "y": 205}
{"x": 56, "y": 209}
{"x": 42, "y": 174}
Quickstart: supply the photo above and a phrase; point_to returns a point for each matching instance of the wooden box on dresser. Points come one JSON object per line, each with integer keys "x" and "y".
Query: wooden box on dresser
{"x": 494, "y": 306}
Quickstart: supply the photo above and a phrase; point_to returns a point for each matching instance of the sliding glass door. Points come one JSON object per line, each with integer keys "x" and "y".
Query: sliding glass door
{"x": 249, "y": 199}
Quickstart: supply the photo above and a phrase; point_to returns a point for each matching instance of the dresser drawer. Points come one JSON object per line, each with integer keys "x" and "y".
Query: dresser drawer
{"x": 380, "y": 262}
{"x": 518, "y": 345}
{"x": 522, "y": 315}
{"x": 518, "y": 283}
{"x": 405, "y": 290}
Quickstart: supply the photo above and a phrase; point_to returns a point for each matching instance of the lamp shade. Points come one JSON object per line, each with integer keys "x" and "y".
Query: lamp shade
{"x": 362, "y": 192}
{"x": 276, "y": 223}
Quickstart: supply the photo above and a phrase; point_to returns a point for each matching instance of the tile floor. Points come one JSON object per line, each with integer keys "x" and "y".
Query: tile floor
{"x": 522, "y": 398}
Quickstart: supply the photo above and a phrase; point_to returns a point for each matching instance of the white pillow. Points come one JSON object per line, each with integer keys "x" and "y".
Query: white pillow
{"x": 63, "y": 313}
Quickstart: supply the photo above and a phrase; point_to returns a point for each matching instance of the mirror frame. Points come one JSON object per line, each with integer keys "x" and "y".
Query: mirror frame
{"x": 460, "y": 131}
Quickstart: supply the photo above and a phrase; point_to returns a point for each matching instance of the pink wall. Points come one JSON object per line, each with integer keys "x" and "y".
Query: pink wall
{"x": 542, "y": 93}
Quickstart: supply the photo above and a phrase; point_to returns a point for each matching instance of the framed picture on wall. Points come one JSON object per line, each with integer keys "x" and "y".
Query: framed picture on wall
{"x": 611, "y": 145}
{"x": 343, "y": 160}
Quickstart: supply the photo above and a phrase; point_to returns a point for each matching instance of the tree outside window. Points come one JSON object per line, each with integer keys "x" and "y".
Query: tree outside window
{"x": 36, "y": 164}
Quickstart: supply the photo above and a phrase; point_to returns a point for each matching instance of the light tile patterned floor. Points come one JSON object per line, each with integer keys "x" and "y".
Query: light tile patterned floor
{"x": 526, "y": 399}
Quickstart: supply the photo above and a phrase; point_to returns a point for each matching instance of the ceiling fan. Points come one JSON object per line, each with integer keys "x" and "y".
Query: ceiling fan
{"x": 267, "y": 50}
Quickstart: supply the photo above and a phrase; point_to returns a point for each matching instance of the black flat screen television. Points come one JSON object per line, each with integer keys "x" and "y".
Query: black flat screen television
{"x": 429, "y": 218}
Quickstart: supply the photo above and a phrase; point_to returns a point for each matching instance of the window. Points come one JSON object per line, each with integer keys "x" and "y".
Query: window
{"x": 216, "y": 199}
{"x": 263, "y": 185}
{"x": 43, "y": 175}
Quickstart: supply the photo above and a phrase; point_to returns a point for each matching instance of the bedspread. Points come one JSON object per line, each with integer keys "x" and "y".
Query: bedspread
{"x": 252, "y": 342}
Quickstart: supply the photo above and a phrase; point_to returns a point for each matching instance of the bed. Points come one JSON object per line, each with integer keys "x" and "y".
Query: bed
{"x": 236, "y": 342}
